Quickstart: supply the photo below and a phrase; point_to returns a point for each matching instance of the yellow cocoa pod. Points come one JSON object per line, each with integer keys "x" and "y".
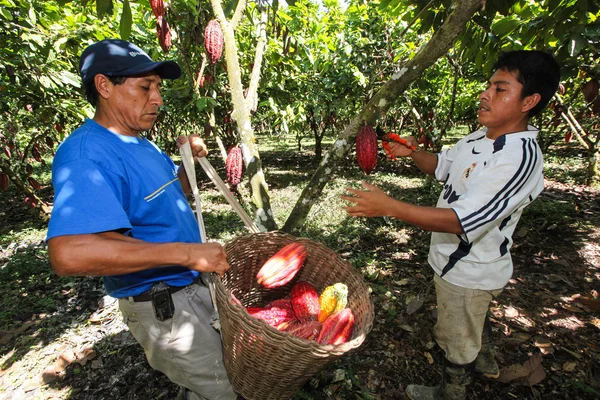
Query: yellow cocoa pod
{"x": 333, "y": 298}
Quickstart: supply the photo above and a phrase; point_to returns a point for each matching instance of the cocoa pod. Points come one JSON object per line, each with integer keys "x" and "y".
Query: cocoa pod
{"x": 561, "y": 89}
{"x": 234, "y": 166}
{"x": 278, "y": 318}
{"x": 7, "y": 151}
{"x": 30, "y": 201}
{"x": 34, "y": 184}
{"x": 49, "y": 142}
{"x": 213, "y": 40}
{"x": 590, "y": 90}
{"x": 282, "y": 266}
{"x": 29, "y": 169}
{"x": 366, "y": 148}
{"x": 568, "y": 136}
{"x": 308, "y": 330}
{"x": 58, "y": 128}
{"x": 158, "y": 8}
{"x": 164, "y": 33}
{"x": 305, "y": 301}
{"x": 4, "y": 181}
{"x": 35, "y": 152}
{"x": 338, "y": 328}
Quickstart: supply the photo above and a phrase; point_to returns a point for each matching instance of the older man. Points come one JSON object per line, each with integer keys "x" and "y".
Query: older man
{"x": 121, "y": 212}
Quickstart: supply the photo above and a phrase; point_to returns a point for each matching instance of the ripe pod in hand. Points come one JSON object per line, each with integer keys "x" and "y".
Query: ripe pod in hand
{"x": 366, "y": 148}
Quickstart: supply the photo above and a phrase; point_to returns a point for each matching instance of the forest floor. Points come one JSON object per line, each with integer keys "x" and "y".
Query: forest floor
{"x": 62, "y": 338}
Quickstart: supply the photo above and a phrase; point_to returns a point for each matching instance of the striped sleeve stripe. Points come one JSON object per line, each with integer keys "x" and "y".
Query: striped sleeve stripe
{"x": 499, "y": 202}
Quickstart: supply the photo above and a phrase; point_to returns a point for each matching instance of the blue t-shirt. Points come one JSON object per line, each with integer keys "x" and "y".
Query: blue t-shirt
{"x": 104, "y": 181}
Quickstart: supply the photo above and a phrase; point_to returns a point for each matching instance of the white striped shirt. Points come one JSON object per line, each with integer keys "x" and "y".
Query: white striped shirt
{"x": 487, "y": 183}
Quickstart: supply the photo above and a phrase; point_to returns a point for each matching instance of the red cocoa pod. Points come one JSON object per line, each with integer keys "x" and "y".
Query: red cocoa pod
{"x": 282, "y": 266}
{"x": 58, "y": 128}
{"x": 213, "y": 40}
{"x": 337, "y": 328}
{"x": 34, "y": 184}
{"x": 281, "y": 303}
{"x": 305, "y": 301}
{"x": 234, "y": 166}
{"x": 29, "y": 169}
{"x": 568, "y": 136}
{"x": 590, "y": 90}
{"x": 158, "y": 7}
{"x": 30, "y": 201}
{"x": 164, "y": 33}
{"x": 279, "y": 318}
{"x": 49, "y": 142}
{"x": 308, "y": 330}
{"x": 4, "y": 181}
{"x": 366, "y": 148}
{"x": 7, "y": 151}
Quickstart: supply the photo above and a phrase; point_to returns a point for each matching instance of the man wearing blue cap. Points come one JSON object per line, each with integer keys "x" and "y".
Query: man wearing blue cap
{"x": 121, "y": 212}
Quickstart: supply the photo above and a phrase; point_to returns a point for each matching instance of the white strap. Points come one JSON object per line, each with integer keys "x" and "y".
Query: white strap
{"x": 188, "y": 163}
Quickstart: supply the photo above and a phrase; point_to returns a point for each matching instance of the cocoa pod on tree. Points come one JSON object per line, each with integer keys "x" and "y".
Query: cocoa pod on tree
{"x": 4, "y": 181}
{"x": 158, "y": 7}
{"x": 164, "y": 33}
{"x": 366, "y": 148}
{"x": 7, "y": 151}
{"x": 35, "y": 152}
{"x": 213, "y": 40}
{"x": 34, "y": 184}
{"x": 234, "y": 166}
{"x": 29, "y": 169}
{"x": 590, "y": 90}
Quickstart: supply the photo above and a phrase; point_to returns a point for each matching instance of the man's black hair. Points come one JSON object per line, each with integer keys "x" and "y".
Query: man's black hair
{"x": 91, "y": 93}
{"x": 537, "y": 71}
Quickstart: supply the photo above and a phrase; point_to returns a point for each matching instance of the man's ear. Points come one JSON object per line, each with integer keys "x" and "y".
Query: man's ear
{"x": 530, "y": 101}
{"x": 103, "y": 85}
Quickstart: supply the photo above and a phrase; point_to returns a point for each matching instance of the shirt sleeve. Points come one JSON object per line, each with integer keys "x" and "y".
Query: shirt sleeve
{"x": 497, "y": 192}
{"x": 88, "y": 199}
{"x": 445, "y": 159}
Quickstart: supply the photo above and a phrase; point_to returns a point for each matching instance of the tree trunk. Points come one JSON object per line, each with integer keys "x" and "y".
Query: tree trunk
{"x": 242, "y": 106}
{"x": 440, "y": 43}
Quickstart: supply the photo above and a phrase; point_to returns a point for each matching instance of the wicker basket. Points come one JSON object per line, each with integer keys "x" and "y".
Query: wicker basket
{"x": 262, "y": 362}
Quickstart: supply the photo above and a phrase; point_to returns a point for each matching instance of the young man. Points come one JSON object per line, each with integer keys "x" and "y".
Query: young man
{"x": 489, "y": 177}
{"x": 120, "y": 212}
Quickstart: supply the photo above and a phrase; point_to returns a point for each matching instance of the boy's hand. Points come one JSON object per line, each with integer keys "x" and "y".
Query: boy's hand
{"x": 372, "y": 202}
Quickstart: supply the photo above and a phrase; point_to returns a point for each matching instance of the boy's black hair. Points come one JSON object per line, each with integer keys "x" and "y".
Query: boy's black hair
{"x": 537, "y": 71}
{"x": 91, "y": 93}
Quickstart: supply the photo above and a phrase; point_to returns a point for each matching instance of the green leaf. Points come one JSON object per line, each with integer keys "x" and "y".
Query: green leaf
{"x": 126, "y": 20}
{"x": 70, "y": 78}
{"x": 103, "y": 7}
{"x": 505, "y": 26}
{"x": 32, "y": 17}
{"x": 6, "y": 14}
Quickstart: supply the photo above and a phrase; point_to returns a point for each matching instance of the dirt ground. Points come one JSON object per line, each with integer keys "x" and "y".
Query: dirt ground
{"x": 546, "y": 326}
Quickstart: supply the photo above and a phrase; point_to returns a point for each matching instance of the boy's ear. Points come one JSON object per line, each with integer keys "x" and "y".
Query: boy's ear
{"x": 530, "y": 101}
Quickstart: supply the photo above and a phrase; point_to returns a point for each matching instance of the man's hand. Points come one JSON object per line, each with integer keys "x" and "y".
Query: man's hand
{"x": 196, "y": 143}
{"x": 372, "y": 202}
{"x": 207, "y": 257}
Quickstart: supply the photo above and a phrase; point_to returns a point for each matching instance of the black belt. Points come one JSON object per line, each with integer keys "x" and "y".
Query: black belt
{"x": 146, "y": 295}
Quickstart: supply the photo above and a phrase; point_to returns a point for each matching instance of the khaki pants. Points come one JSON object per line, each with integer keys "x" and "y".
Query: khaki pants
{"x": 185, "y": 348}
{"x": 461, "y": 315}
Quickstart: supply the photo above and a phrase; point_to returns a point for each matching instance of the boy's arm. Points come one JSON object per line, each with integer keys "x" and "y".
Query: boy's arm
{"x": 373, "y": 202}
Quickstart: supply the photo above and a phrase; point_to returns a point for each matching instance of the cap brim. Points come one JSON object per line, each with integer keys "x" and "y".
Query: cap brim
{"x": 164, "y": 69}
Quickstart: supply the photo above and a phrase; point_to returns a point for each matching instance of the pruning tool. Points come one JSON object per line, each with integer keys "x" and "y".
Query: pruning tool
{"x": 391, "y": 137}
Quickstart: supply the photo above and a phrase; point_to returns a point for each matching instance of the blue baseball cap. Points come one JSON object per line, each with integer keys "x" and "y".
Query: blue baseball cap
{"x": 115, "y": 57}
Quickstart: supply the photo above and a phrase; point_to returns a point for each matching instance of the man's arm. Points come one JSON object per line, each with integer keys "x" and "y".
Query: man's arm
{"x": 111, "y": 253}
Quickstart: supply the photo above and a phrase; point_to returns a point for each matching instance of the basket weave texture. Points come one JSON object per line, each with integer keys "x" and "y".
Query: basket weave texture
{"x": 262, "y": 362}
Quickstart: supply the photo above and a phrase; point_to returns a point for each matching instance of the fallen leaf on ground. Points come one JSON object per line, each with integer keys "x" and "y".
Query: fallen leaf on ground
{"x": 530, "y": 373}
